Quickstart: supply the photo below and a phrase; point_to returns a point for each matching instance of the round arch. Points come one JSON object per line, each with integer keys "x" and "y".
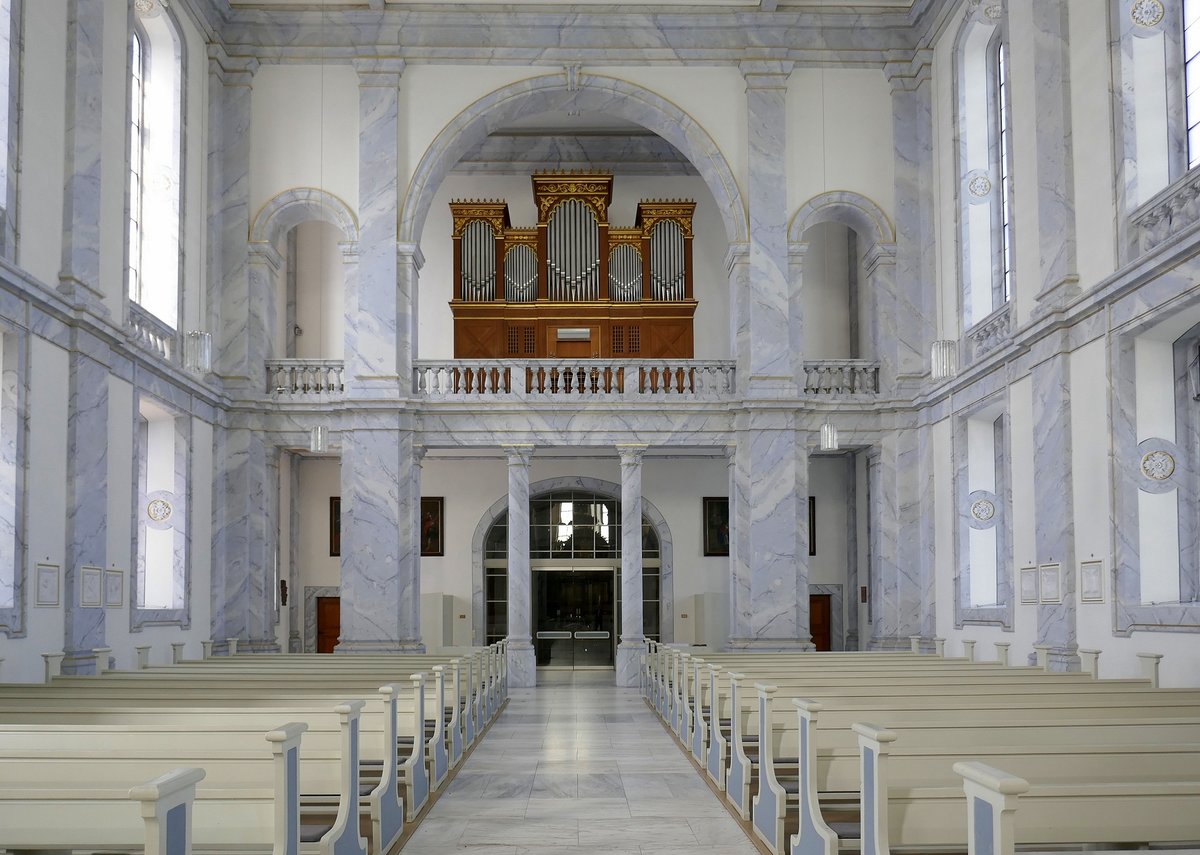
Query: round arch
{"x": 852, "y": 210}
{"x": 604, "y": 488}
{"x": 299, "y": 205}
{"x": 590, "y": 93}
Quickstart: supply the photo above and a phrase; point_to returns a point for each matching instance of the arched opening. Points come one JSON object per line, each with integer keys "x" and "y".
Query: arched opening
{"x": 575, "y": 541}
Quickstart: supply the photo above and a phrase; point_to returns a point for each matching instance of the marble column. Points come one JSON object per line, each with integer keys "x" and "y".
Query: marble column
{"x": 1054, "y": 160}
{"x": 905, "y": 316}
{"x": 762, "y": 337}
{"x": 633, "y": 642}
{"x": 373, "y": 301}
{"x": 1054, "y": 502}
{"x": 380, "y": 566}
{"x": 769, "y": 579}
{"x": 522, "y": 667}
{"x": 238, "y": 330}
{"x": 245, "y": 530}
{"x": 410, "y": 260}
{"x": 79, "y": 278}
{"x": 87, "y": 502}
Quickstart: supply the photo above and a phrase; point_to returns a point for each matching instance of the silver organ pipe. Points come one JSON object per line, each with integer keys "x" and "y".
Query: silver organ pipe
{"x": 478, "y": 262}
{"x": 520, "y": 274}
{"x": 625, "y": 274}
{"x": 573, "y": 239}
{"x": 667, "y": 273}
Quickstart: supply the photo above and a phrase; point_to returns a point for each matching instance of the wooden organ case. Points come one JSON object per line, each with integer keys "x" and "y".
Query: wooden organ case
{"x": 573, "y": 286}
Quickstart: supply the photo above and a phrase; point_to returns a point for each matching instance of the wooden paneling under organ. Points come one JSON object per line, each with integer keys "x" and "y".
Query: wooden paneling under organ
{"x": 573, "y": 286}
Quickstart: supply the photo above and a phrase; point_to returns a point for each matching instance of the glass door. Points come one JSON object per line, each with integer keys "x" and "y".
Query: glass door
{"x": 574, "y": 617}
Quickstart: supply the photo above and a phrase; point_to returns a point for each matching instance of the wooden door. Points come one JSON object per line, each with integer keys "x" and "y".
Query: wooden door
{"x": 819, "y": 611}
{"x": 329, "y": 623}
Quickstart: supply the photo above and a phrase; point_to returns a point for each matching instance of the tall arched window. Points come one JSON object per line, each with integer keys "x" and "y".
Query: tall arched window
{"x": 1191, "y": 74}
{"x": 155, "y": 159}
{"x": 985, "y": 164}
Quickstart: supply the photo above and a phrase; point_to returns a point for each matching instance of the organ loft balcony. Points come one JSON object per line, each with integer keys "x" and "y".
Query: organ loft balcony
{"x": 572, "y": 307}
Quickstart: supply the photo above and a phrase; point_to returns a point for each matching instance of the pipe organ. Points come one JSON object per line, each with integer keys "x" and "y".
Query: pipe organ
{"x": 573, "y": 285}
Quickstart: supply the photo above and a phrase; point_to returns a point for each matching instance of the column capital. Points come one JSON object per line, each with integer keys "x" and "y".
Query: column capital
{"x": 907, "y": 71}
{"x": 410, "y": 254}
{"x": 379, "y": 71}
{"x": 631, "y": 453}
{"x": 765, "y": 72}
{"x": 231, "y": 70}
{"x": 518, "y": 455}
{"x": 738, "y": 253}
{"x": 418, "y": 453}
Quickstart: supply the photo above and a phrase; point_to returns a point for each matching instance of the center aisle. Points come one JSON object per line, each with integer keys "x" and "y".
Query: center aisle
{"x": 578, "y": 766}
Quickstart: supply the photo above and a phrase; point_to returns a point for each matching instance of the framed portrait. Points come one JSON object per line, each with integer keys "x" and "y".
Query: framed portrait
{"x": 1049, "y": 583}
{"x": 335, "y": 525}
{"x": 432, "y": 525}
{"x": 46, "y": 578}
{"x": 91, "y": 587}
{"x": 812, "y": 525}
{"x": 114, "y": 588}
{"x": 1091, "y": 581}
{"x": 716, "y": 525}
{"x": 1029, "y": 584}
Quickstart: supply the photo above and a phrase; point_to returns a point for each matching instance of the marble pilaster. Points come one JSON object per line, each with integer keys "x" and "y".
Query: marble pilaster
{"x": 633, "y": 642}
{"x": 410, "y": 260}
{"x": 1054, "y": 505}
{"x": 762, "y": 335}
{"x": 380, "y": 566}
{"x": 229, "y": 298}
{"x": 522, "y": 670}
{"x": 87, "y": 506}
{"x": 1055, "y": 156}
{"x": 373, "y": 301}
{"x": 906, "y": 315}
{"x": 769, "y": 579}
{"x": 245, "y": 530}
{"x": 79, "y": 278}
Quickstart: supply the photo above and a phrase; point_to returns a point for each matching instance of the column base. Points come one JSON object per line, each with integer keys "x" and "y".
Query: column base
{"x": 259, "y": 646}
{"x": 371, "y": 645}
{"x": 890, "y": 643}
{"x": 1063, "y": 660}
{"x": 522, "y": 666}
{"x": 78, "y": 663}
{"x": 629, "y": 664}
{"x": 770, "y": 645}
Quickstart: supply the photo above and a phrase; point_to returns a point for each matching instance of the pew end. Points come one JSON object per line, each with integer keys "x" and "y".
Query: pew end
{"x": 167, "y": 811}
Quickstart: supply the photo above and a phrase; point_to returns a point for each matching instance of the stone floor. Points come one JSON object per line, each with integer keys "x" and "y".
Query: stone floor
{"x": 578, "y": 766}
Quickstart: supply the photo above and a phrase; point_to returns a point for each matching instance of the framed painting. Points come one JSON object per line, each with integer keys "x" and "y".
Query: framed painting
{"x": 335, "y": 525}
{"x": 1091, "y": 581}
{"x": 114, "y": 588}
{"x": 716, "y": 525}
{"x": 91, "y": 587}
{"x": 47, "y": 585}
{"x": 1029, "y": 584}
{"x": 432, "y": 525}
{"x": 1049, "y": 583}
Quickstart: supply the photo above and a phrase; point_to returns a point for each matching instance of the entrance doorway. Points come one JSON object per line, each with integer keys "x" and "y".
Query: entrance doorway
{"x": 575, "y": 617}
{"x": 820, "y": 613}
{"x": 329, "y": 623}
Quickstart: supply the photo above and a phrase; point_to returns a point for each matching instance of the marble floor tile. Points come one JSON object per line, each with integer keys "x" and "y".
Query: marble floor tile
{"x": 577, "y": 766}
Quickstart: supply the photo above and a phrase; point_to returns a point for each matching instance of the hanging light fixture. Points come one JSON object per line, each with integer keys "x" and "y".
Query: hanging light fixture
{"x": 829, "y": 437}
{"x": 943, "y": 361}
{"x": 197, "y": 351}
{"x": 318, "y": 440}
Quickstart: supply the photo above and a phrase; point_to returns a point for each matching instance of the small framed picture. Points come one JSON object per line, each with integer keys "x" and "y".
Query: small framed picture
{"x": 335, "y": 525}
{"x": 114, "y": 588}
{"x": 1049, "y": 583}
{"x": 716, "y": 525}
{"x": 1029, "y": 584}
{"x": 91, "y": 587}
{"x": 432, "y": 526}
{"x": 1091, "y": 581}
{"x": 46, "y": 578}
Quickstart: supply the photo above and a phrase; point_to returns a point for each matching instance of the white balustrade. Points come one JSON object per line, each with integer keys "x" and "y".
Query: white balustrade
{"x": 305, "y": 376}
{"x": 150, "y": 333}
{"x": 841, "y": 377}
{"x": 469, "y": 379}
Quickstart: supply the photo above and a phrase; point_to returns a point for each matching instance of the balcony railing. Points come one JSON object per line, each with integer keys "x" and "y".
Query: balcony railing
{"x": 841, "y": 377}
{"x": 474, "y": 379}
{"x": 151, "y": 333}
{"x": 305, "y": 376}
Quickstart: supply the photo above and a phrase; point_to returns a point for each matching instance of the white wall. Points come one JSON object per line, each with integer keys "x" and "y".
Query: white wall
{"x": 826, "y": 296}
{"x": 320, "y": 478}
{"x": 710, "y": 287}
{"x": 320, "y": 293}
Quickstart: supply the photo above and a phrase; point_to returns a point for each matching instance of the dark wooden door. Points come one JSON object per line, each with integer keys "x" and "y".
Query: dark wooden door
{"x": 819, "y": 610}
{"x": 329, "y": 623}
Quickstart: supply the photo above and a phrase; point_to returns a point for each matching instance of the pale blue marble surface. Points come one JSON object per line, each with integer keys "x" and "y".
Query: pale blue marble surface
{"x": 632, "y": 644}
{"x": 521, "y": 665}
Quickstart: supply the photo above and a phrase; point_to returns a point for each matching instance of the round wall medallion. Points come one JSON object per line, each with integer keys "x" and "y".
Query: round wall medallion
{"x": 983, "y": 509}
{"x": 145, "y": 8}
{"x": 159, "y": 510}
{"x": 980, "y": 185}
{"x": 1158, "y": 465}
{"x": 1147, "y": 13}
{"x": 995, "y": 12}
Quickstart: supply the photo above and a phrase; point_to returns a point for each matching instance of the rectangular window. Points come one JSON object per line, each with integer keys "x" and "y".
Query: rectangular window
{"x": 1005, "y": 178}
{"x": 1191, "y": 70}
